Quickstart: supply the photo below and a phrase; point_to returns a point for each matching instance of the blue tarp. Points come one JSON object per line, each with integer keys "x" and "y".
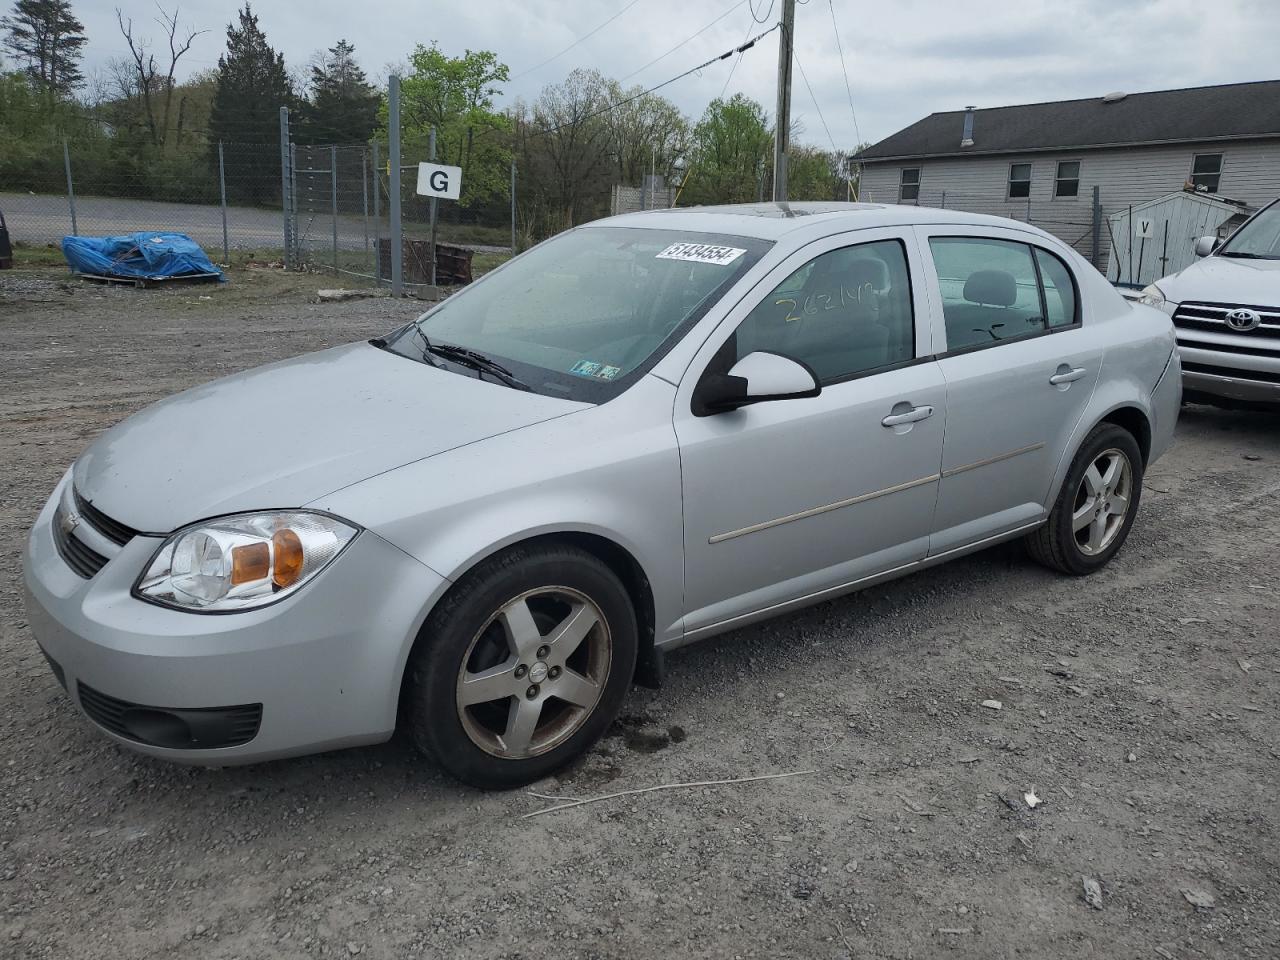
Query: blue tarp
{"x": 142, "y": 255}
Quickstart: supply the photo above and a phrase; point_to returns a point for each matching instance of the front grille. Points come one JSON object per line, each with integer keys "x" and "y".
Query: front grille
{"x": 195, "y": 728}
{"x": 1260, "y": 376}
{"x": 80, "y": 558}
{"x": 113, "y": 530}
{"x": 1255, "y": 348}
{"x": 1212, "y": 316}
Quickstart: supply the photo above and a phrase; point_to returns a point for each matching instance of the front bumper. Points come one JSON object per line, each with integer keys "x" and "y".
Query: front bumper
{"x": 1241, "y": 388}
{"x": 1247, "y": 377}
{"x": 324, "y": 665}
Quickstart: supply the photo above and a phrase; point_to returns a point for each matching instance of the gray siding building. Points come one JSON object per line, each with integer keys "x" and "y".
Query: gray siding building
{"x": 1041, "y": 162}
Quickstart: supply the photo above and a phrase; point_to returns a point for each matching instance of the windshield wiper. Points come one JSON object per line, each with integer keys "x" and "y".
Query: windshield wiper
{"x": 475, "y": 360}
{"x": 1242, "y": 255}
{"x": 384, "y": 343}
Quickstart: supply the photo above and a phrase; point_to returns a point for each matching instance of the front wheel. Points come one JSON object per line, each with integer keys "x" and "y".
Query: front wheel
{"x": 1095, "y": 508}
{"x": 523, "y": 666}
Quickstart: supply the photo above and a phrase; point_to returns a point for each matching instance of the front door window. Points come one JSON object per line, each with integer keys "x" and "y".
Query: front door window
{"x": 844, "y": 313}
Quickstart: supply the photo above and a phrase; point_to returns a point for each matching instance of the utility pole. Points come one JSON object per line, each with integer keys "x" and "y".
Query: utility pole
{"x": 782, "y": 116}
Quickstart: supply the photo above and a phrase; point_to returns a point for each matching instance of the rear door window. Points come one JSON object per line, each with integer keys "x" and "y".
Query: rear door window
{"x": 1059, "y": 289}
{"x": 994, "y": 290}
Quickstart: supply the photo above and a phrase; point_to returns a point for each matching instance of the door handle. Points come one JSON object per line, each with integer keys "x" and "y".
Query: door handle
{"x": 1068, "y": 376}
{"x": 911, "y": 416}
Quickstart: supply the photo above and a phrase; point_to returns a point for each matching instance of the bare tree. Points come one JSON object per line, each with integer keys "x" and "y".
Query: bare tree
{"x": 153, "y": 88}
{"x": 646, "y": 132}
{"x": 573, "y": 142}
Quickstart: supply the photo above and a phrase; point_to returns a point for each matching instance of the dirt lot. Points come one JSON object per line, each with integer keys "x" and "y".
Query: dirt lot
{"x": 1143, "y": 706}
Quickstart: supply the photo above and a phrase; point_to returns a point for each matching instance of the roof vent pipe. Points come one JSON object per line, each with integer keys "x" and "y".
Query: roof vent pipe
{"x": 966, "y": 140}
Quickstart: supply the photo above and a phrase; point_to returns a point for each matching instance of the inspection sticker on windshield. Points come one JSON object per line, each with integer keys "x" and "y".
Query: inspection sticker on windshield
{"x": 598, "y": 371}
{"x": 701, "y": 253}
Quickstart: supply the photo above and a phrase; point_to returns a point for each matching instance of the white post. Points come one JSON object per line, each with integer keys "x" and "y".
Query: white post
{"x": 393, "y": 187}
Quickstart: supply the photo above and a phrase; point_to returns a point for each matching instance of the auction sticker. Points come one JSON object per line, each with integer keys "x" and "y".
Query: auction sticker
{"x": 701, "y": 253}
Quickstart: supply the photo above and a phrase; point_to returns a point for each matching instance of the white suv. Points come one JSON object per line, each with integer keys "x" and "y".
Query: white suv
{"x": 1227, "y": 311}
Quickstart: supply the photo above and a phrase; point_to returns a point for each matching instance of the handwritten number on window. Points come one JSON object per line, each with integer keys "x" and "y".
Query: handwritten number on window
{"x": 821, "y": 302}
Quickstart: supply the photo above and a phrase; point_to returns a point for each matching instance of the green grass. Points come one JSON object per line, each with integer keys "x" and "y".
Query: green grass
{"x": 482, "y": 263}
{"x": 258, "y": 268}
{"x": 27, "y": 257}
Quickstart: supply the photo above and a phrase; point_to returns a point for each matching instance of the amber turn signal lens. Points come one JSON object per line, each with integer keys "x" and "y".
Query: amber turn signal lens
{"x": 288, "y": 549}
{"x": 249, "y": 563}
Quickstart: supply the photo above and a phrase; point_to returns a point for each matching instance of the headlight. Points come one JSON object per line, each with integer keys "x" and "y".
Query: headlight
{"x": 243, "y": 561}
{"x": 1152, "y": 296}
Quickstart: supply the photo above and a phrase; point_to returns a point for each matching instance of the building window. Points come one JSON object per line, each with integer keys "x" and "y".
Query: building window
{"x": 1019, "y": 181}
{"x": 1206, "y": 171}
{"x": 1067, "y": 183}
{"x": 909, "y": 187}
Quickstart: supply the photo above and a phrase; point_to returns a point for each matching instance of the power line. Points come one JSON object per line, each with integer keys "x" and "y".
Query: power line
{"x": 693, "y": 169}
{"x": 847, "y": 89}
{"x": 730, "y": 10}
{"x": 644, "y": 93}
{"x": 734, "y": 68}
{"x": 585, "y": 36}
{"x": 805, "y": 78}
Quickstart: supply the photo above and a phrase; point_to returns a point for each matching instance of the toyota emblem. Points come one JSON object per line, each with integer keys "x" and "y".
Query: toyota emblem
{"x": 1243, "y": 320}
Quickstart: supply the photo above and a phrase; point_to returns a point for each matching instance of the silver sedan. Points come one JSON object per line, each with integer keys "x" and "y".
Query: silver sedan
{"x": 640, "y": 433}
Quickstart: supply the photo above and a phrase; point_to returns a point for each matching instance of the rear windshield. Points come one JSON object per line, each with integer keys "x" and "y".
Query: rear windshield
{"x": 585, "y": 314}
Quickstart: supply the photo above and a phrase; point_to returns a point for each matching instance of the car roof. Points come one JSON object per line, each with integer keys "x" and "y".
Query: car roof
{"x": 771, "y": 221}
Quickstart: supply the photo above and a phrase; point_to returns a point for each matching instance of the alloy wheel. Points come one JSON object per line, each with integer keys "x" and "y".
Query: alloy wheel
{"x": 1102, "y": 502}
{"x": 534, "y": 672}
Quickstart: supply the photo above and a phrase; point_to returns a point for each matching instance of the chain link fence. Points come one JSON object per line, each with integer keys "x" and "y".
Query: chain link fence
{"x": 340, "y": 221}
{"x": 1132, "y": 243}
{"x": 226, "y": 197}
{"x": 1077, "y": 224}
{"x": 334, "y": 212}
{"x": 654, "y": 194}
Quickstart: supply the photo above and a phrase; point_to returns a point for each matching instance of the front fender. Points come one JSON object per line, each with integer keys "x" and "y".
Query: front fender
{"x": 612, "y": 471}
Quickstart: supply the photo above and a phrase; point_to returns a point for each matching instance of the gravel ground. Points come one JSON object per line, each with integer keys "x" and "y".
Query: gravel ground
{"x": 1142, "y": 705}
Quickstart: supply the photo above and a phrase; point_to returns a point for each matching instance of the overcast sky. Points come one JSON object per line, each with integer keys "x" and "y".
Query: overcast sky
{"x": 906, "y": 58}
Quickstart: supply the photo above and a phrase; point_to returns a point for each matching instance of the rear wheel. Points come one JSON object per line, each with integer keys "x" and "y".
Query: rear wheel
{"x": 1096, "y": 507}
{"x": 523, "y": 666}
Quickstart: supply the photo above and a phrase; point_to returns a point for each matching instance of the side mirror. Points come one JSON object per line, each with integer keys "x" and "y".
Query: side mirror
{"x": 756, "y": 378}
{"x": 1206, "y": 246}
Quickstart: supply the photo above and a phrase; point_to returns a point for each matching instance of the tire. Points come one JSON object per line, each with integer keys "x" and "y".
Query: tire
{"x": 547, "y": 633}
{"x": 1058, "y": 544}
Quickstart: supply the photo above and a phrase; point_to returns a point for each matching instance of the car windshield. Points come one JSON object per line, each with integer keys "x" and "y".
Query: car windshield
{"x": 1258, "y": 239}
{"x": 588, "y": 312}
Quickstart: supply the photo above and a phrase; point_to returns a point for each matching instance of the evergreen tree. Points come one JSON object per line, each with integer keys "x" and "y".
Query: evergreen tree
{"x": 47, "y": 37}
{"x": 344, "y": 106}
{"x": 252, "y": 86}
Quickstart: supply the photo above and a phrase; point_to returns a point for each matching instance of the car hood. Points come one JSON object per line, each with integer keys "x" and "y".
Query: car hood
{"x": 288, "y": 433}
{"x": 1225, "y": 280}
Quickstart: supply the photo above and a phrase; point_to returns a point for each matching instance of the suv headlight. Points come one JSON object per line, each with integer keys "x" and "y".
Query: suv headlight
{"x": 243, "y": 561}
{"x": 1152, "y": 296}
